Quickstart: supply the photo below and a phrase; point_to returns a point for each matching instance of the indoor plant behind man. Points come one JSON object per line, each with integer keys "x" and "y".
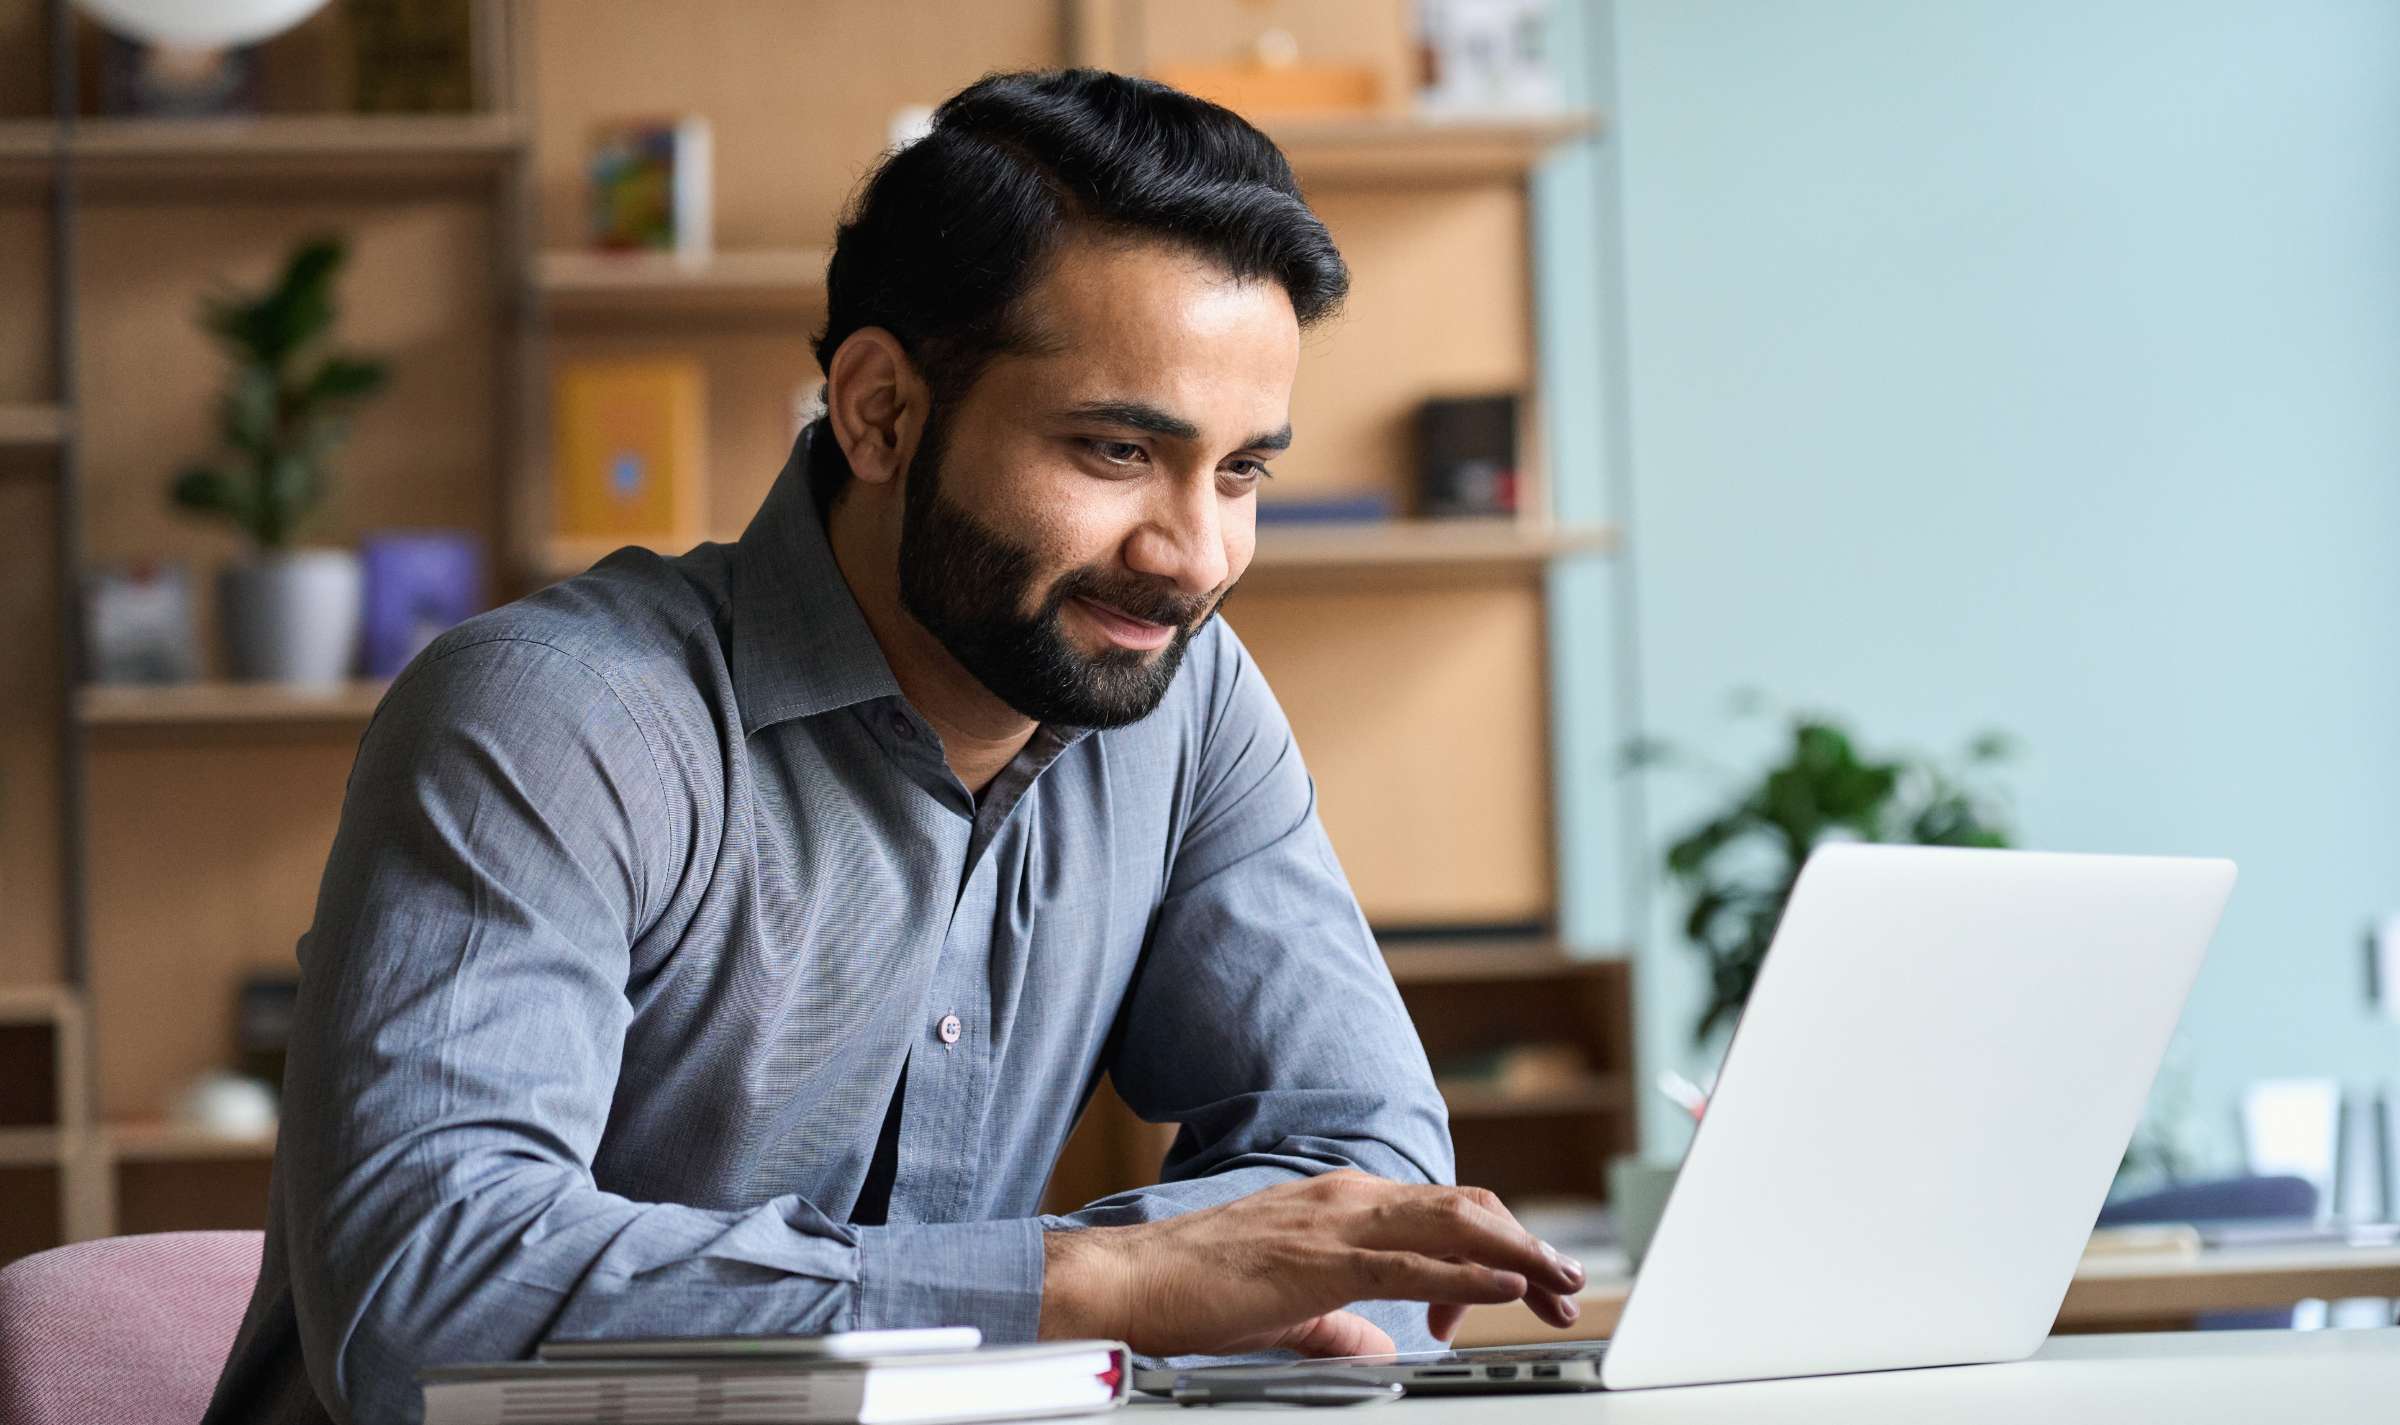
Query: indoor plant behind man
{"x": 727, "y": 943}
{"x": 290, "y": 614}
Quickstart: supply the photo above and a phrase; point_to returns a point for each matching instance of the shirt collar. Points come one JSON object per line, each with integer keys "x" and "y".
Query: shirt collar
{"x": 800, "y": 644}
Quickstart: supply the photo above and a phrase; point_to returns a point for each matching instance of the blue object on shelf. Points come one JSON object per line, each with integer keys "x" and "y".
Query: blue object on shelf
{"x": 418, "y": 583}
{"x": 2220, "y": 1200}
{"x": 1332, "y": 509}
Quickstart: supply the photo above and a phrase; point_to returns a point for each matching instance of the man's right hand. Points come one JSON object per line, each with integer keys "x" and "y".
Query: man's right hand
{"x": 1275, "y": 1269}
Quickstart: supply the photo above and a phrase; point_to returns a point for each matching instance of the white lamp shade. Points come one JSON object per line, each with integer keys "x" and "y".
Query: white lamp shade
{"x": 199, "y": 24}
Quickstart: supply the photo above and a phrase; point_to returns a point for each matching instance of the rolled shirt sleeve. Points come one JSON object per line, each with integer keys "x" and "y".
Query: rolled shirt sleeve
{"x": 506, "y": 834}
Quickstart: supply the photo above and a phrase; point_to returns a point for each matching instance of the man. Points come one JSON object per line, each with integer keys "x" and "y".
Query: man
{"x": 727, "y": 943}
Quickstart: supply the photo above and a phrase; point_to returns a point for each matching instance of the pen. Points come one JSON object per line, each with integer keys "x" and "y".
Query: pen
{"x": 1283, "y": 1390}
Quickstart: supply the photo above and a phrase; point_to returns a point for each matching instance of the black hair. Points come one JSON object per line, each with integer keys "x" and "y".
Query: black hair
{"x": 947, "y": 234}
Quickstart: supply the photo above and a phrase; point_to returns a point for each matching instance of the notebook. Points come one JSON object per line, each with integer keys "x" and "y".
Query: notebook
{"x": 737, "y": 1384}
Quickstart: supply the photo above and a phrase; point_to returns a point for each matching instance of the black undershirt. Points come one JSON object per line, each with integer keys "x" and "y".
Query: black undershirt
{"x": 874, "y": 1203}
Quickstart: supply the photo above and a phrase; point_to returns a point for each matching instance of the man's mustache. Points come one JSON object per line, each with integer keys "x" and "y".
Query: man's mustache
{"x": 1136, "y": 599}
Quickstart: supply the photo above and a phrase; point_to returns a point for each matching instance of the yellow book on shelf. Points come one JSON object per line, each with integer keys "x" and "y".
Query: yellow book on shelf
{"x": 630, "y": 446}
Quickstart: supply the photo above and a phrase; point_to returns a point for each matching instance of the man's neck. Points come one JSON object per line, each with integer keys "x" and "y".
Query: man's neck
{"x": 980, "y": 734}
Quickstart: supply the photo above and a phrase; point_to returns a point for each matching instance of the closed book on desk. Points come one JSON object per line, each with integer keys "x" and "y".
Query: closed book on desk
{"x": 994, "y": 1383}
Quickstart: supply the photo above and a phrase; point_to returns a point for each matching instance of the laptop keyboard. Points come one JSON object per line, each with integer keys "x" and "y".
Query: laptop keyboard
{"x": 1509, "y": 1355}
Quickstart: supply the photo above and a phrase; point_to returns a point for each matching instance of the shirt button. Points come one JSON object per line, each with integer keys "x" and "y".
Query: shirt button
{"x": 902, "y": 728}
{"x": 949, "y": 1028}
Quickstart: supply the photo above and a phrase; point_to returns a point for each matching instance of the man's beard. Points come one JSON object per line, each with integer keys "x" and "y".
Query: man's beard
{"x": 968, "y": 585}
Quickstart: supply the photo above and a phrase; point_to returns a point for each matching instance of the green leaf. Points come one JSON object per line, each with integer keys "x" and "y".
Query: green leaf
{"x": 247, "y": 411}
{"x": 206, "y": 490}
{"x": 1687, "y": 855}
{"x": 291, "y": 492}
{"x": 1991, "y": 746}
{"x": 345, "y": 378}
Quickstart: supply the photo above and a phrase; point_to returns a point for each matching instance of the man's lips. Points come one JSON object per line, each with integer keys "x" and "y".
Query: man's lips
{"x": 1124, "y": 628}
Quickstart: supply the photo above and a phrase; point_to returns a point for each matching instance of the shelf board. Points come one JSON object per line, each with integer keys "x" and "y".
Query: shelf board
{"x": 189, "y": 704}
{"x": 1425, "y": 546}
{"x": 1477, "y": 962}
{"x": 32, "y": 426}
{"x": 1404, "y": 149}
{"x": 762, "y": 279}
{"x": 28, "y": 138}
{"x": 297, "y": 146}
{"x": 28, "y": 148}
{"x": 35, "y": 1004}
{"x": 175, "y": 1142}
{"x": 1413, "y": 548}
{"x": 1599, "y": 1093}
{"x": 32, "y": 1147}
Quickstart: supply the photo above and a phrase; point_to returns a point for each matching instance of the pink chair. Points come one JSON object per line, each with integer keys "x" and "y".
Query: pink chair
{"x": 122, "y": 1331}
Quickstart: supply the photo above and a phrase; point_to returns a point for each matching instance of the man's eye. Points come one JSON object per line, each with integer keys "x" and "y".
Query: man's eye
{"x": 1250, "y": 472}
{"x": 1118, "y": 452}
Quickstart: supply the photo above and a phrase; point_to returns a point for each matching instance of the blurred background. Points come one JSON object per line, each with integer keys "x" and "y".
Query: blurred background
{"x": 1752, "y": 425}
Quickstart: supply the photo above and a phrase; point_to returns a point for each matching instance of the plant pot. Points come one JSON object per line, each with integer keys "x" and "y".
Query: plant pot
{"x": 291, "y": 617}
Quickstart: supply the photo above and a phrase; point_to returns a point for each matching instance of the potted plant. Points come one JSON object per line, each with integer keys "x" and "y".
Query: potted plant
{"x": 289, "y": 614}
{"x": 1739, "y": 864}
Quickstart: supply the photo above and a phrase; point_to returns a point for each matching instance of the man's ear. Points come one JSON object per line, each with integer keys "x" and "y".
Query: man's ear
{"x": 876, "y": 403}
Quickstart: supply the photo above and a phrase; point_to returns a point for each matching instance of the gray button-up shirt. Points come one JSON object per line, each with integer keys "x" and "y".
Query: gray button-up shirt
{"x": 651, "y": 887}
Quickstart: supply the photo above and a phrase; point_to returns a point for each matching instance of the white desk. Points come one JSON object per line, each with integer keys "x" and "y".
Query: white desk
{"x": 2187, "y": 1378}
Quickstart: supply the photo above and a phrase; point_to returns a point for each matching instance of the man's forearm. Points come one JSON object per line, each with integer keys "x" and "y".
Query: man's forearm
{"x": 534, "y": 1256}
{"x": 1082, "y": 1284}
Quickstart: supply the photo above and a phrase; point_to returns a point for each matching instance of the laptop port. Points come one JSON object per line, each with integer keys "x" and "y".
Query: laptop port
{"x": 1545, "y": 1373}
{"x": 1442, "y": 1373}
{"x": 1499, "y": 1372}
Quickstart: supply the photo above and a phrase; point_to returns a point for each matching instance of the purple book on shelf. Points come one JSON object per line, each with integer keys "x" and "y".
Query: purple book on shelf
{"x": 418, "y": 584}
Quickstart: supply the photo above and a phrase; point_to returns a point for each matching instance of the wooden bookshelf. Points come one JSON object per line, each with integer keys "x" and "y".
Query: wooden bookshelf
{"x": 44, "y": 1168}
{"x": 1471, "y": 998}
{"x": 200, "y": 704}
{"x": 1412, "y": 150}
{"x": 464, "y": 270}
{"x": 768, "y": 280}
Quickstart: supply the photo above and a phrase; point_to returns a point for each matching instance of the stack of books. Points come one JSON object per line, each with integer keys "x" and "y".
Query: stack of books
{"x": 867, "y": 1378}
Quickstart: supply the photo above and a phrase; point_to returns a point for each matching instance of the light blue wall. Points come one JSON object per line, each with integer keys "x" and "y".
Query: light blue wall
{"x": 2028, "y": 363}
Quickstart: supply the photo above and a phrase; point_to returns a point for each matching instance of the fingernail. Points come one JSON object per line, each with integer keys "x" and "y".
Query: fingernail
{"x": 1573, "y": 1266}
{"x": 1573, "y": 1310}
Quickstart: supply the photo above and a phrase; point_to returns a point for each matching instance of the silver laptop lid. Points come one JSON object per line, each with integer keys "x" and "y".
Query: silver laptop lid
{"x": 1920, "y": 1113}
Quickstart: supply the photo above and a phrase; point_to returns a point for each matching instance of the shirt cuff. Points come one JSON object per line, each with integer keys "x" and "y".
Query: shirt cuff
{"x": 983, "y": 1274}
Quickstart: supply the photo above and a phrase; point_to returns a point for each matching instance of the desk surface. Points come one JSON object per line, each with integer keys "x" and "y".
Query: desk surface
{"x": 2190, "y": 1378}
{"x": 2108, "y": 1290}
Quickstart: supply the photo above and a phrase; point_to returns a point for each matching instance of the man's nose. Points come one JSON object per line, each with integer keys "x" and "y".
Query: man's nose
{"x": 1183, "y": 540}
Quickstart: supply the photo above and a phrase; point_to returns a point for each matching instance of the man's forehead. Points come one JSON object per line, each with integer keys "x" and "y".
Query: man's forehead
{"x": 1195, "y": 400}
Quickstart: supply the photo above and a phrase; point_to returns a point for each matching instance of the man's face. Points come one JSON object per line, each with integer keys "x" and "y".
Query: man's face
{"x": 1081, "y": 512}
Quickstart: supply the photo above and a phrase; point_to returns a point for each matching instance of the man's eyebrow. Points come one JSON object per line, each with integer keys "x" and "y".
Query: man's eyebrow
{"x": 1142, "y": 416}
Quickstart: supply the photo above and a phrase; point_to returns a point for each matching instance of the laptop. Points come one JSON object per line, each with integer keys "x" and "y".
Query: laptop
{"x": 1913, "y": 1129}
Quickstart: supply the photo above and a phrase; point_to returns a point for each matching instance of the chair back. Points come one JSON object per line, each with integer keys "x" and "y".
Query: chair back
{"x": 124, "y": 1330}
